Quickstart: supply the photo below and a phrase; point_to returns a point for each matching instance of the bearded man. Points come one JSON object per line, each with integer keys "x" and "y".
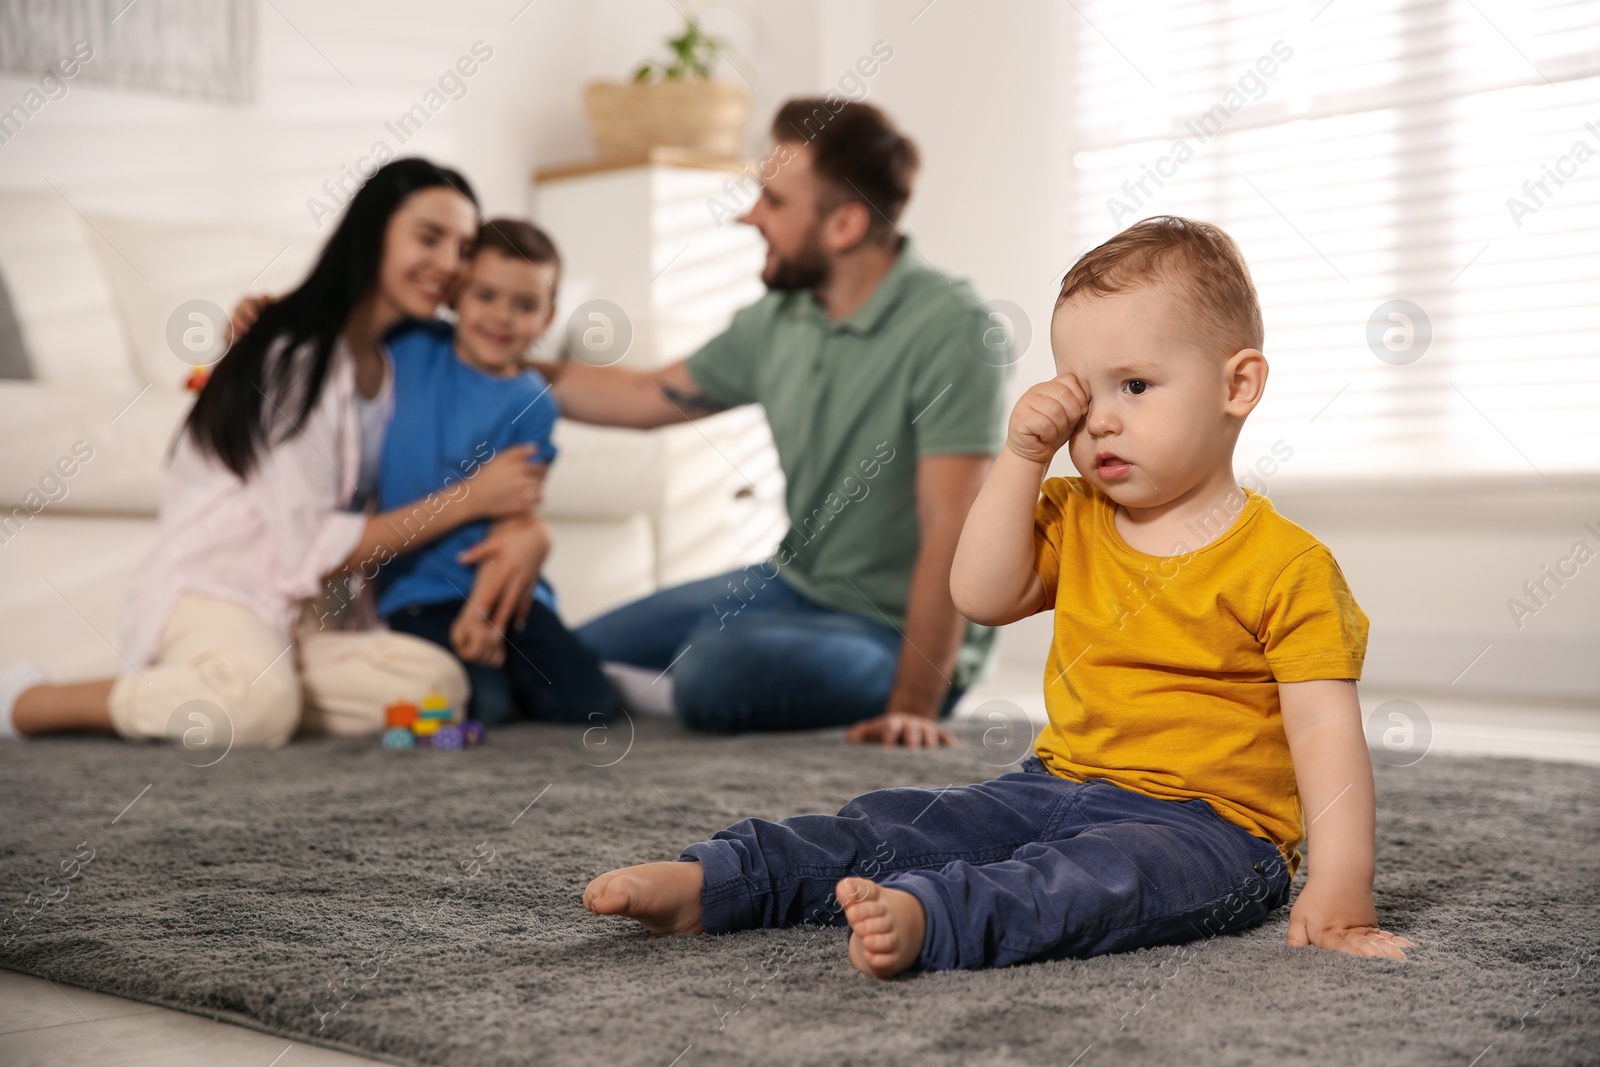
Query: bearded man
{"x": 885, "y": 414}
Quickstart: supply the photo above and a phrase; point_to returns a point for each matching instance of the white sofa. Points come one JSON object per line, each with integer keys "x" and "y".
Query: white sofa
{"x": 630, "y": 511}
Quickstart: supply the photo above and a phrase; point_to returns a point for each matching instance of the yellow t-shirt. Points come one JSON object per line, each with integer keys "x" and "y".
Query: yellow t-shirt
{"x": 1163, "y": 672}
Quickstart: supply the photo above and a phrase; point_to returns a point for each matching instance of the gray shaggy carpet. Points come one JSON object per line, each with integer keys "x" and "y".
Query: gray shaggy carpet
{"x": 423, "y": 908}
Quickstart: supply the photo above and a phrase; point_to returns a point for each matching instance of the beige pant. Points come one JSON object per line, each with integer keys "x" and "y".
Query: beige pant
{"x": 223, "y": 655}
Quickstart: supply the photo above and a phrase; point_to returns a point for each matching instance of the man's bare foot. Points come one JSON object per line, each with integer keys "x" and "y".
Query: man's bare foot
{"x": 665, "y": 897}
{"x": 886, "y": 926}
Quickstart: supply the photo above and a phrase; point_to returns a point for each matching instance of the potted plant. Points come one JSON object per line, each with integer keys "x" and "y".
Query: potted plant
{"x": 674, "y": 102}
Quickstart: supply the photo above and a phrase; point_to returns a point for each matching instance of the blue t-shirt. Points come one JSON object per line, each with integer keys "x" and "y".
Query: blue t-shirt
{"x": 449, "y": 419}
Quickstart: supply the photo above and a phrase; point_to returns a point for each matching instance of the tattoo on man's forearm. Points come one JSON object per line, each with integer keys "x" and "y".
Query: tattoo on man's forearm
{"x": 690, "y": 401}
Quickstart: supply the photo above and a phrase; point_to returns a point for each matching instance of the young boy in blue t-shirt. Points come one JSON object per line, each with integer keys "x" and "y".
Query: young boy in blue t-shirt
{"x": 462, "y": 396}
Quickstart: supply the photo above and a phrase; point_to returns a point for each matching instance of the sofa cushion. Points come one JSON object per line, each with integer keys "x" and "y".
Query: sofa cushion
{"x": 62, "y": 581}
{"x": 63, "y": 578}
{"x": 59, "y": 293}
{"x": 155, "y": 269}
{"x": 599, "y": 564}
{"x": 76, "y": 449}
{"x": 14, "y": 362}
{"x": 606, "y": 473}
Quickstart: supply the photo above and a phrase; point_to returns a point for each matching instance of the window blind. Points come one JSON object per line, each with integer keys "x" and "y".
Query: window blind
{"x": 1416, "y": 186}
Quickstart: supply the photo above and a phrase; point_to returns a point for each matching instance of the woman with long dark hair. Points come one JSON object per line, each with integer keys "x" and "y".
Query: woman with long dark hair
{"x": 228, "y": 627}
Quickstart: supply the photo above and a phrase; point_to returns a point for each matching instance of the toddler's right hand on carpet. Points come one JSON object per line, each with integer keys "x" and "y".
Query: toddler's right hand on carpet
{"x": 1045, "y": 417}
{"x": 1331, "y": 913}
{"x": 475, "y": 639}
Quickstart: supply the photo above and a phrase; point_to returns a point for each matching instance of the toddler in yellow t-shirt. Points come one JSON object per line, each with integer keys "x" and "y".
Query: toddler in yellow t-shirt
{"x": 1200, "y": 684}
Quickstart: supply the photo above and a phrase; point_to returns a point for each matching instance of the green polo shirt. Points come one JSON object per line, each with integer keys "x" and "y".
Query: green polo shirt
{"x": 853, "y": 405}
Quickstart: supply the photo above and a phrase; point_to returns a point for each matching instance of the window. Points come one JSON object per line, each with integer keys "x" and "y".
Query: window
{"x": 1416, "y": 186}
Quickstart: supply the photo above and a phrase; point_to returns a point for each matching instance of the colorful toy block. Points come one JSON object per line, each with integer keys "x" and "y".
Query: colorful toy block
{"x": 399, "y": 737}
{"x": 401, "y": 714}
{"x": 433, "y": 723}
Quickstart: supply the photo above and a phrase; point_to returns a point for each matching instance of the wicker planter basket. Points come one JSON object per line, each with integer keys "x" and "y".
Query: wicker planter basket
{"x": 628, "y": 118}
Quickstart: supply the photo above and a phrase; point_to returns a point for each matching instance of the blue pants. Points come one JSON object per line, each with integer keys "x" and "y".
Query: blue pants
{"x": 747, "y": 652}
{"x": 548, "y": 676}
{"x": 1027, "y": 866}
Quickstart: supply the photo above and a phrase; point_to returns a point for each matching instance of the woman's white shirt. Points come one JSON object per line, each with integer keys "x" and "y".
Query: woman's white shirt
{"x": 373, "y": 415}
{"x": 264, "y": 542}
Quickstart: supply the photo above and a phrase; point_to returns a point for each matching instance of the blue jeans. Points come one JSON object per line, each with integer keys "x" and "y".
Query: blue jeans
{"x": 1026, "y": 866}
{"x": 747, "y": 652}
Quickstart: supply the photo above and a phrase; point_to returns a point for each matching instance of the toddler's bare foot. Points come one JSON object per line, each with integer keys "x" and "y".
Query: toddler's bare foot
{"x": 886, "y": 926}
{"x": 665, "y": 897}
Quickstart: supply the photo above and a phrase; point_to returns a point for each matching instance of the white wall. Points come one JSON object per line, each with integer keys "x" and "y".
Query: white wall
{"x": 978, "y": 87}
{"x": 333, "y": 75}
{"x": 156, "y": 156}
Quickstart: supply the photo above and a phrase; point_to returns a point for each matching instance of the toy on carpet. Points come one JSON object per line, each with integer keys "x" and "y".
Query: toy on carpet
{"x": 432, "y": 723}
